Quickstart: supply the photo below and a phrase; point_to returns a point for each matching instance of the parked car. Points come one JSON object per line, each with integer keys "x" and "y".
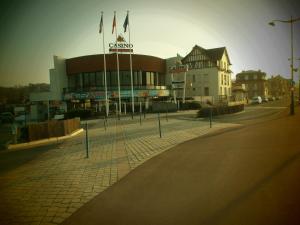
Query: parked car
{"x": 271, "y": 98}
{"x": 256, "y": 100}
{"x": 6, "y": 117}
{"x": 265, "y": 99}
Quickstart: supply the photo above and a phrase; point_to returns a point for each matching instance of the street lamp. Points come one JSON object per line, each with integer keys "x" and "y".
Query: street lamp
{"x": 299, "y": 82}
{"x": 291, "y": 21}
{"x": 295, "y": 70}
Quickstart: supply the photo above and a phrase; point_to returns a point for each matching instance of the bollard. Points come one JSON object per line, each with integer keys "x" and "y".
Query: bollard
{"x": 167, "y": 113}
{"x": 210, "y": 117}
{"x": 140, "y": 113}
{"x": 104, "y": 122}
{"x": 159, "y": 128}
{"x": 87, "y": 139}
{"x": 145, "y": 111}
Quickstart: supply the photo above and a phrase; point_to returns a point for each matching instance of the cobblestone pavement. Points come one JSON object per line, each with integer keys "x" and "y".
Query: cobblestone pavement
{"x": 51, "y": 187}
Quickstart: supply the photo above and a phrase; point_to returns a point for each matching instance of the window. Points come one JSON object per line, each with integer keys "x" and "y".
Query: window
{"x": 86, "y": 80}
{"x": 100, "y": 79}
{"x": 194, "y": 89}
{"x": 72, "y": 80}
{"x": 222, "y": 78}
{"x": 125, "y": 78}
{"x": 113, "y": 79}
{"x": 206, "y": 91}
{"x": 92, "y": 79}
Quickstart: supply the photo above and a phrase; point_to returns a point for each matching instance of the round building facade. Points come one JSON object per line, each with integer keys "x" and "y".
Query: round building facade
{"x": 86, "y": 78}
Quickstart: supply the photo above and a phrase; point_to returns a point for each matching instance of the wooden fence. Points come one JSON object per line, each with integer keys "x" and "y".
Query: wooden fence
{"x": 52, "y": 128}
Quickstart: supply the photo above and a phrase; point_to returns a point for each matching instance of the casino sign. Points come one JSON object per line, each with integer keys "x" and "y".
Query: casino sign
{"x": 121, "y": 45}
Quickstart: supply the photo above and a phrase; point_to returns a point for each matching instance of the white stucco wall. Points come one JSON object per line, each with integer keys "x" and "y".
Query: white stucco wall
{"x": 58, "y": 81}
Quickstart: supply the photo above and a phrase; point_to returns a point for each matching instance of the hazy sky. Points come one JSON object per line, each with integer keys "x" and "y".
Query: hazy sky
{"x": 33, "y": 31}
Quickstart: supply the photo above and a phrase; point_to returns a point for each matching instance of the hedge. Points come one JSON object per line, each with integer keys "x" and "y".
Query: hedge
{"x": 190, "y": 105}
{"x": 220, "y": 110}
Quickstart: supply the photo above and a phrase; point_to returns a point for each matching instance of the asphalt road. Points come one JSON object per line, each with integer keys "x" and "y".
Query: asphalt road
{"x": 244, "y": 176}
{"x": 256, "y": 113}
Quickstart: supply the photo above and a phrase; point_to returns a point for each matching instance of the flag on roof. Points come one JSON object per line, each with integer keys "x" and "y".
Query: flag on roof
{"x": 126, "y": 23}
{"x": 114, "y": 24}
{"x": 101, "y": 25}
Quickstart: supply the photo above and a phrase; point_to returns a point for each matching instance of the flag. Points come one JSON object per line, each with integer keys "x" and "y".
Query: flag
{"x": 126, "y": 23}
{"x": 114, "y": 24}
{"x": 101, "y": 25}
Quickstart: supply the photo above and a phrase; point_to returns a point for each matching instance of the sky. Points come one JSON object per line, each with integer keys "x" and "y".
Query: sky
{"x": 32, "y": 31}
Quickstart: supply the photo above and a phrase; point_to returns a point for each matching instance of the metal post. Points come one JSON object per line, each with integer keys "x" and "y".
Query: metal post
{"x": 118, "y": 70}
{"x": 184, "y": 87}
{"x": 167, "y": 112}
{"x": 292, "y": 112}
{"x": 159, "y": 128}
{"x": 105, "y": 80}
{"x": 299, "y": 82}
{"x": 130, "y": 59}
{"x": 174, "y": 92}
{"x": 140, "y": 113}
{"x": 210, "y": 117}
{"x": 87, "y": 139}
{"x": 125, "y": 108}
{"x": 145, "y": 111}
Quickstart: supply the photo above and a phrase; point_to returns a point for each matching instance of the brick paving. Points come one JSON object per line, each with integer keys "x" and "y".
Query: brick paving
{"x": 51, "y": 187}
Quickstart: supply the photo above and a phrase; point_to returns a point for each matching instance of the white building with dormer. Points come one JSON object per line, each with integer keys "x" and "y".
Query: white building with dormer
{"x": 208, "y": 76}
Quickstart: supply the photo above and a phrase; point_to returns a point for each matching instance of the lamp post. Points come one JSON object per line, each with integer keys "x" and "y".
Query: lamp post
{"x": 299, "y": 82}
{"x": 291, "y": 21}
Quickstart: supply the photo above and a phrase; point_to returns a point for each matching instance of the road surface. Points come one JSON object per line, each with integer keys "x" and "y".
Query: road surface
{"x": 245, "y": 176}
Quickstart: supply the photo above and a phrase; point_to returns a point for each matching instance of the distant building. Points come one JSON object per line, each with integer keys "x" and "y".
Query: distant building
{"x": 278, "y": 86}
{"x": 239, "y": 92}
{"x": 208, "y": 76}
{"x": 255, "y": 83}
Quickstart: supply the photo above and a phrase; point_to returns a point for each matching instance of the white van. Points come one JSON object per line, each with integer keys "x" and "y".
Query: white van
{"x": 256, "y": 100}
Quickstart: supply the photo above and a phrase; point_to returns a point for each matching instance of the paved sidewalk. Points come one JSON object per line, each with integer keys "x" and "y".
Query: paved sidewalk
{"x": 48, "y": 189}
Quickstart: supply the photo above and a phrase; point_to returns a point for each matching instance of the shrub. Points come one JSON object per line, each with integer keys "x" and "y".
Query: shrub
{"x": 190, "y": 105}
{"x": 220, "y": 110}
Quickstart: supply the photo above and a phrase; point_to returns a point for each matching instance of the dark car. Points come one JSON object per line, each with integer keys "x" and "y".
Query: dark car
{"x": 271, "y": 98}
{"x": 265, "y": 99}
{"x": 6, "y": 117}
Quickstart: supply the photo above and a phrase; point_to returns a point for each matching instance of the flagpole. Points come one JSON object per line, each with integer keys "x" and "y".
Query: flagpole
{"x": 130, "y": 58}
{"x": 118, "y": 72}
{"x": 105, "y": 80}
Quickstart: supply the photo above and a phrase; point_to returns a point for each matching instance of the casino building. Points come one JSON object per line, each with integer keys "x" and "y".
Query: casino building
{"x": 79, "y": 82}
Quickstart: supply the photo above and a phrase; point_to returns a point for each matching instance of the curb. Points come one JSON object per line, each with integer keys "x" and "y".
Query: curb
{"x": 41, "y": 142}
